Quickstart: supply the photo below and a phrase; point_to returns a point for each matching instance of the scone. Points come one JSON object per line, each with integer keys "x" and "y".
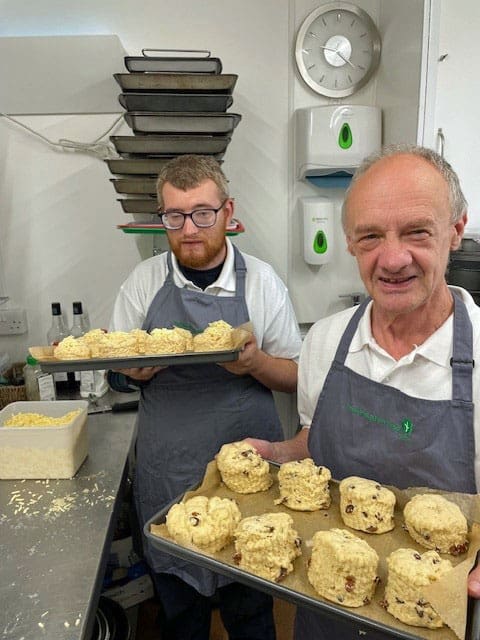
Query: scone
{"x": 242, "y": 469}
{"x": 267, "y": 545}
{"x": 304, "y": 486}
{"x": 92, "y": 338}
{"x": 408, "y": 573}
{"x": 366, "y": 506}
{"x": 436, "y": 523}
{"x": 166, "y": 341}
{"x": 343, "y": 567}
{"x": 117, "y": 344}
{"x": 216, "y": 337}
{"x": 141, "y": 337}
{"x": 207, "y": 523}
{"x": 71, "y": 348}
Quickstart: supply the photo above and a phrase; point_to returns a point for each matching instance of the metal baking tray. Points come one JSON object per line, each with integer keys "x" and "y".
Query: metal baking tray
{"x": 173, "y": 64}
{"x": 91, "y": 364}
{"x": 188, "y": 82}
{"x": 135, "y": 185}
{"x": 139, "y": 166}
{"x": 170, "y": 144}
{"x": 139, "y": 205}
{"x": 169, "y": 122}
{"x": 289, "y": 589}
{"x": 146, "y": 101}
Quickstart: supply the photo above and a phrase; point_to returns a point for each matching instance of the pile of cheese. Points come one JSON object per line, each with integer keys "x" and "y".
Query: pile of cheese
{"x": 120, "y": 344}
{"x": 26, "y": 419}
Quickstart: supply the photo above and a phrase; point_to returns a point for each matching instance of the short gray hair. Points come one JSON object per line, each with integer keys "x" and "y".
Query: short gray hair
{"x": 458, "y": 202}
{"x": 188, "y": 171}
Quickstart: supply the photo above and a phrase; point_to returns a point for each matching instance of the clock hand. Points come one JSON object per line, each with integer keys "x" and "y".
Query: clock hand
{"x": 344, "y": 58}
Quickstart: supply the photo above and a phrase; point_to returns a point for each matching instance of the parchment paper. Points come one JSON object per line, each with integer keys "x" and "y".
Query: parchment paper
{"x": 448, "y": 596}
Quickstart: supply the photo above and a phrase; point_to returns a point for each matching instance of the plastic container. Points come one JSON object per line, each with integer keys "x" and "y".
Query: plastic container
{"x": 38, "y": 385}
{"x": 43, "y": 452}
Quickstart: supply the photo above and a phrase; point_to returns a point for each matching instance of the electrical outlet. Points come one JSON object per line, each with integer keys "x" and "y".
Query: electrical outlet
{"x": 13, "y": 322}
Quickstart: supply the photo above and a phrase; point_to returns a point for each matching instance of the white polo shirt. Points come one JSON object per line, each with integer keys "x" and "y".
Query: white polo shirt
{"x": 424, "y": 373}
{"x": 268, "y": 302}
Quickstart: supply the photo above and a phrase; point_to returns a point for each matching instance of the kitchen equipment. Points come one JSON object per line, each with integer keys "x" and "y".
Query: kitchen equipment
{"x": 136, "y": 166}
{"x": 317, "y": 213}
{"x": 111, "y": 621}
{"x": 188, "y": 82}
{"x": 139, "y": 205}
{"x": 464, "y": 267}
{"x": 147, "y": 101}
{"x": 334, "y": 139}
{"x": 170, "y": 144}
{"x": 135, "y": 185}
{"x": 169, "y": 122}
{"x": 174, "y": 63}
{"x": 43, "y": 452}
{"x": 116, "y": 407}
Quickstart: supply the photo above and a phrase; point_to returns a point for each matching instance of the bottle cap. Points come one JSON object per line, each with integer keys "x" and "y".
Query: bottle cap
{"x": 77, "y": 308}
{"x": 31, "y": 360}
{"x": 56, "y": 309}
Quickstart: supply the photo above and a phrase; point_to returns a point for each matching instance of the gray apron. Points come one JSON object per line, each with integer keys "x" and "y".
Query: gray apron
{"x": 361, "y": 427}
{"x": 187, "y": 413}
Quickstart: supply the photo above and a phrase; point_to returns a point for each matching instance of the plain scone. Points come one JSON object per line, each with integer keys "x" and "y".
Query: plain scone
{"x": 304, "y": 486}
{"x": 207, "y": 523}
{"x": 343, "y": 567}
{"x": 242, "y": 469}
{"x": 267, "y": 545}
{"x": 366, "y": 506}
{"x": 408, "y": 573}
{"x": 436, "y": 523}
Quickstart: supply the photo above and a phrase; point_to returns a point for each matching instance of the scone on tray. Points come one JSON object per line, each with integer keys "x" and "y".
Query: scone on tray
{"x": 409, "y": 572}
{"x": 161, "y": 341}
{"x": 366, "y": 506}
{"x": 117, "y": 344}
{"x": 216, "y": 337}
{"x": 243, "y": 469}
{"x": 267, "y": 545}
{"x": 304, "y": 486}
{"x": 71, "y": 348}
{"x": 207, "y": 523}
{"x": 436, "y": 523}
{"x": 343, "y": 567}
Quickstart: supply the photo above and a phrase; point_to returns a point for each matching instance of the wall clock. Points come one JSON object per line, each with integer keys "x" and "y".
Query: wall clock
{"x": 337, "y": 49}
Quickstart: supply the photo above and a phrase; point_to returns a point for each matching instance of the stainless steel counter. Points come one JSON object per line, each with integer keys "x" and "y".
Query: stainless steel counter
{"x": 55, "y": 537}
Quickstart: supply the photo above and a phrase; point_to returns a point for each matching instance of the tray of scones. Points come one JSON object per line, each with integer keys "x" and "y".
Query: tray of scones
{"x": 99, "y": 349}
{"x": 389, "y": 559}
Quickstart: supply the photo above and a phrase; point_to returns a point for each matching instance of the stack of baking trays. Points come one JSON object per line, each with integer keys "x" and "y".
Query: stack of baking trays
{"x": 175, "y": 103}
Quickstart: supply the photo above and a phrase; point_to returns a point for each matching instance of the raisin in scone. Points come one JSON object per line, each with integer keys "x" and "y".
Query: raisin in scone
{"x": 304, "y": 486}
{"x": 366, "y": 506}
{"x": 343, "y": 567}
{"x": 242, "y": 469}
{"x": 409, "y": 572}
{"x": 436, "y": 523}
{"x": 207, "y": 523}
{"x": 267, "y": 545}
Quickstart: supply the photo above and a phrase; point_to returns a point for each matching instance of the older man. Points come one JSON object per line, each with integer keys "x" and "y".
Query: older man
{"x": 187, "y": 413}
{"x": 386, "y": 390}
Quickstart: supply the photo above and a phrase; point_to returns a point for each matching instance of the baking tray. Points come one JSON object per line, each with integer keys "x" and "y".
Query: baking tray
{"x": 147, "y": 101}
{"x": 168, "y": 122}
{"x": 169, "y": 145}
{"x": 295, "y": 587}
{"x": 173, "y": 64}
{"x": 135, "y": 185}
{"x": 140, "y": 166}
{"x": 182, "y": 82}
{"x": 139, "y": 205}
{"x": 52, "y": 365}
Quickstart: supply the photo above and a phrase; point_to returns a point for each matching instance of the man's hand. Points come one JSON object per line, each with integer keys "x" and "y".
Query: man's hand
{"x": 474, "y": 583}
{"x": 246, "y": 359}
{"x": 140, "y": 373}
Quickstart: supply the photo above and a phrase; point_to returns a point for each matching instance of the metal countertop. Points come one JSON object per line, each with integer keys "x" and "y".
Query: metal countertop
{"x": 55, "y": 538}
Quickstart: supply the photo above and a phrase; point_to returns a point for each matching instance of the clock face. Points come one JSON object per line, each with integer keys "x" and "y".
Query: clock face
{"x": 337, "y": 49}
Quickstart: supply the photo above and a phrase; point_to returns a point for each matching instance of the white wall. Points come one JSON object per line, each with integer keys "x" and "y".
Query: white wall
{"x": 58, "y": 240}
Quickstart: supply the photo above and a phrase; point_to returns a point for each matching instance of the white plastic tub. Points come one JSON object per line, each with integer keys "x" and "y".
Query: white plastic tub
{"x": 43, "y": 452}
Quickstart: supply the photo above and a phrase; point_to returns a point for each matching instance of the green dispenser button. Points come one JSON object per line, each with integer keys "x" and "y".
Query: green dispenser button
{"x": 320, "y": 242}
{"x": 345, "y": 137}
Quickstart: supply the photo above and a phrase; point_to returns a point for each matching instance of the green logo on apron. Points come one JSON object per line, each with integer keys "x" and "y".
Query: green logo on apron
{"x": 404, "y": 429}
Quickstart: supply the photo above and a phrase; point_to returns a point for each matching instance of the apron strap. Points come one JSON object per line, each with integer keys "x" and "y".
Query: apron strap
{"x": 344, "y": 344}
{"x": 240, "y": 271}
{"x": 462, "y": 362}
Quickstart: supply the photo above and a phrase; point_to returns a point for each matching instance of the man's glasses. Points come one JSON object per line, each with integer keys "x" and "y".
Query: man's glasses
{"x": 202, "y": 218}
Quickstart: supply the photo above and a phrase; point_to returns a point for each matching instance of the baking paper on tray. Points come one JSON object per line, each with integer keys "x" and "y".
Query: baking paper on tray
{"x": 448, "y": 596}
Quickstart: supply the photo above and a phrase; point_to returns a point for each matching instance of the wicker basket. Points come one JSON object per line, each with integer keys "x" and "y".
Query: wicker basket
{"x": 12, "y": 393}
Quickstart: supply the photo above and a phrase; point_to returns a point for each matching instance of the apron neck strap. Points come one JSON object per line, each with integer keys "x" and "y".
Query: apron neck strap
{"x": 462, "y": 362}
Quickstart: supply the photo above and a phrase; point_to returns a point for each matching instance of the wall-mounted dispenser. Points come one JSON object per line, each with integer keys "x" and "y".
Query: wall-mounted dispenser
{"x": 317, "y": 214}
{"x": 331, "y": 141}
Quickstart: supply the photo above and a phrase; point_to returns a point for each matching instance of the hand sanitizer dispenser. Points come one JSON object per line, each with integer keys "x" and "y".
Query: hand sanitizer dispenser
{"x": 317, "y": 214}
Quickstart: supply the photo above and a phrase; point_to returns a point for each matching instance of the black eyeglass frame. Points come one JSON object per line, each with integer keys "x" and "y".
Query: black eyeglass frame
{"x": 190, "y": 215}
